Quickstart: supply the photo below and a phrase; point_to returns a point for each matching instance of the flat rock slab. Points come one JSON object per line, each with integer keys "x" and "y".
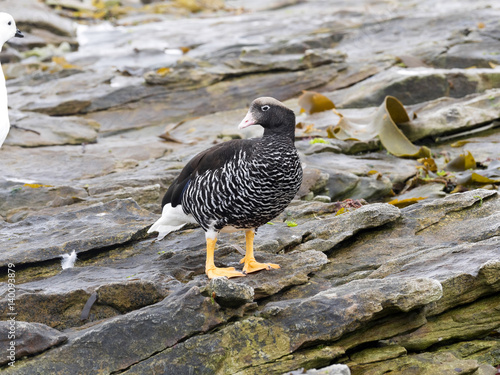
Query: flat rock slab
{"x": 347, "y": 283}
{"x": 90, "y": 228}
{"x": 345, "y": 307}
{"x": 329, "y": 370}
{"x": 283, "y": 327}
{"x": 176, "y": 334}
{"x": 479, "y": 53}
{"x": 35, "y": 129}
{"x": 325, "y": 234}
{"x": 426, "y": 363}
{"x": 155, "y": 328}
{"x": 29, "y": 338}
{"x": 416, "y": 85}
{"x": 17, "y": 199}
{"x": 447, "y": 239}
{"x": 297, "y": 266}
{"x": 487, "y": 350}
{"x": 227, "y": 293}
{"x": 61, "y": 307}
{"x": 462, "y": 323}
{"x": 448, "y": 115}
{"x": 57, "y": 97}
{"x": 35, "y": 14}
{"x": 62, "y": 165}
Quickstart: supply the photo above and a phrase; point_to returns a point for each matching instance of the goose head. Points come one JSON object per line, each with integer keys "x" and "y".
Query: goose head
{"x": 8, "y": 28}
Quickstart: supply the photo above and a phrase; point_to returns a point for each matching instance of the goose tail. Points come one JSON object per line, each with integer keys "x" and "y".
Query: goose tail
{"x": 172, "y": 219}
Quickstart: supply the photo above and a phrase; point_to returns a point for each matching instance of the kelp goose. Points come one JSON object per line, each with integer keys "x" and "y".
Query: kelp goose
{"x": 237, "y": 185}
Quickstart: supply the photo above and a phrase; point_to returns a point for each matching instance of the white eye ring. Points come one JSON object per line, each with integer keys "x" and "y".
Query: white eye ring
{"x": 265, "y": 108}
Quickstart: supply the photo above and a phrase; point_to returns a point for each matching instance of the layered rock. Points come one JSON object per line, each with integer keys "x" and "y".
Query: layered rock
{"x": 367, "y": 287}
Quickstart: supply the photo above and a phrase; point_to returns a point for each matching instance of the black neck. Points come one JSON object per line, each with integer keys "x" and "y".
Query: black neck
{"x": 288, "y": 132}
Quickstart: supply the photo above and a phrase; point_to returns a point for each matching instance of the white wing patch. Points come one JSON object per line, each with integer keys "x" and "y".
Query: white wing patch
{"x": 172, "y": 219}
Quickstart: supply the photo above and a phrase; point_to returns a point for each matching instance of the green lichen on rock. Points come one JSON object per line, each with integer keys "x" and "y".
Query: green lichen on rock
{"x": 485, "y": 351}
{"x": 129, "y": 296}
{"x": 378, "y": 354}
{"x": 421, "y": 364}
{"x": 461, "y": 323}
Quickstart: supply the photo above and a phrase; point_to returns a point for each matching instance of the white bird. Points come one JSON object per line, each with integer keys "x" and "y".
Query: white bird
{"x": 8, "y": 30}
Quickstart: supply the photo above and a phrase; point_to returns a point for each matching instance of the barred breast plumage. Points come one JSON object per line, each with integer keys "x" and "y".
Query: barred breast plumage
{"x": 250, "y": 189}
{"x": 240, "y": 184}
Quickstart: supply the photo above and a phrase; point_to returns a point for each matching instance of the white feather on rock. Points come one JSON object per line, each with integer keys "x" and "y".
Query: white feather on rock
{"x": 68, "y": 260}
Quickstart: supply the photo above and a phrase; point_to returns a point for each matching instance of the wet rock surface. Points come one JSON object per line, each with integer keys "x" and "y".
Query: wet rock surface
{"x": 229, "y": 294}
{"x": 115, "y": 222}
{"x": 33, "y": 338}
{"x": 363, "y": 284}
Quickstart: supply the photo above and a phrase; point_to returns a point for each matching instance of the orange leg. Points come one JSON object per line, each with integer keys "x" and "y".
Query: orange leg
{"x": 251, "y": 265}
{"x": 210, "y": 268}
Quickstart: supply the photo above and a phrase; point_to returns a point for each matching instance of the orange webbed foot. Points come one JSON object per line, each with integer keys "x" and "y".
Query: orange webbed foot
{"x": 252, "y": 265}
{"x": 219, "y": 272}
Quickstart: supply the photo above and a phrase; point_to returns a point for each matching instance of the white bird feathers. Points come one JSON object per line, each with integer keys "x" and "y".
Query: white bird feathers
{"x": 7, "y": 30}
{"x": 172, "y": 219}
{"x": 68, "y": 260}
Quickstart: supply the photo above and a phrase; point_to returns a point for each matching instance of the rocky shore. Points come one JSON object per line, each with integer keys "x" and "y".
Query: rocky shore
{"x": 390, "y": 261}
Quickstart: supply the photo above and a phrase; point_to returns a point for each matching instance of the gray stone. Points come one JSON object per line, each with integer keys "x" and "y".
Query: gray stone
{"x": 347, "y": 172}
{"x": 348, "y": 284}
{"x": 129, "y": 296}
{"x": 38, "y": 15}
{"x": 322, "y": 147}
{"x": 229, "y": 294}
{"x": 58, "y": 99}
{"x": 413, "y": 86}
{"x": 446, "y": 115}
{"x": 62, "y": 233}
{"x": 370, "y": 188}
{"x": 485, "y": 351}
{"x": 436, "y": 209}
{"x": 297, "y": 266}
{"x": 340, "y": 310}
{"x": 424, "y": 363}
{"x": 341, "y": 184}
{"x": 322, "y": 198}
{"x": 378, "y": 354}
{"x": 183, "y": 78}
{"x": 29, "y": 338}
{"x": 24, "y": 199}
{"x": 330, "y": 370}
{"x": 401, "y": 294}
{"x": 313, "y": 181}
{"x": 473, "y": 253}
{"x": 460, "y": 324}
{"x": 270, "y": 60}
{"x": 156, "y": 328}
{"x": 329, "y": 232}
{"x": 466, "y": 55}
{"x": 33, "y": 130}
{"x": 427, "y": 191}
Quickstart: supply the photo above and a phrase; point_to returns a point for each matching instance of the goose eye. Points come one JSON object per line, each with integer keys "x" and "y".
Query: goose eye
{"x": 10, "y": 23}
{"x": 265, "y": 107}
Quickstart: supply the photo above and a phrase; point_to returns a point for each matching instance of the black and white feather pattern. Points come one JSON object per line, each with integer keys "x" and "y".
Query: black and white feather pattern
{"x": 250, "y": 189}
{"x": 240, "y": 184}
